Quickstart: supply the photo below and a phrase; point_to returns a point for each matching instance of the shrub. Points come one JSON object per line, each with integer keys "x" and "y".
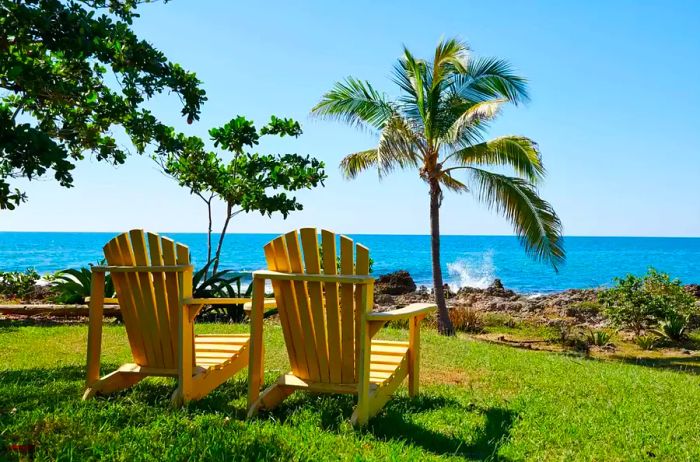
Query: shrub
{"x": 18, "y": 284}
{"x": 598, "y": 337}
{"x": 639, "y": 303}
{"x": 466, "y": 319}
{"x": 73, "y": 285}
{"x": 500, "y": 320}
{"x": 673, "y": 328}
{"x": 222, "y": 284}
{"x": 585, "y": 309}
{"x": 646, "y": 342}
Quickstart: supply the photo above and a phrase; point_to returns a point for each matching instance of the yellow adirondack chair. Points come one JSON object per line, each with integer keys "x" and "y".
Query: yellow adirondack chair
{"x": 328, "y": 326}
{"x": 153, "y": 279}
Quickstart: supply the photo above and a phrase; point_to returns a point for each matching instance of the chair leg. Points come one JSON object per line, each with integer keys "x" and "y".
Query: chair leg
{"x": 414, "y": 357}
{"x": 111, "y": 383}
{"x": 270, "y": 399}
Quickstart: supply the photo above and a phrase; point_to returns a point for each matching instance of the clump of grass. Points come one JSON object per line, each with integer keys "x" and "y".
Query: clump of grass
{"x": 500, "y": 320}
{"x": 584, "y": 310}
{"x": 647, "y": 341}
{"x": 467, "y": 319}
{"x": 599, "y": 337}
{"x": 673, "y": 328}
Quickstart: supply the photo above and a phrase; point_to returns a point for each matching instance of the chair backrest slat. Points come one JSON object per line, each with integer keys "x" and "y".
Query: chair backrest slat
{"x": 347, "y": 310}
{"x": 332, "y": 307}
{"x": 127, "y": 307}
{"x": 148, "y": 314}
{"x": 320, "y": 321}
{"x": 161, "y": 301}
{"x": 361, "y": 269}
{"x": 302, "y": 302}
{"x": 149, "y": 300}
{"x": 309, "y": 243}
{"x": 287, "y": 299}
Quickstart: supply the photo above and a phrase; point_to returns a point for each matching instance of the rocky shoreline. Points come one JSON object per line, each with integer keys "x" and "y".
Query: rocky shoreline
{"x": 572, "y": 306}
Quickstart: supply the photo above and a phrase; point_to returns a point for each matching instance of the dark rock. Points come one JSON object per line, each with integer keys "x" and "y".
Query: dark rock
{"x": 396, "y": 283}
{"x": 694, "y": 289}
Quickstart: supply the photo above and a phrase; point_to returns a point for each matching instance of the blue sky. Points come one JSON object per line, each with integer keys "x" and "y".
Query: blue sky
{"x": 614, "y": 107}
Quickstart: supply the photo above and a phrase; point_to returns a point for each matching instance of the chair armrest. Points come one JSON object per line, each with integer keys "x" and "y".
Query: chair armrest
{"x": 141, "y": 269}
{"x": 411, "y": 311}
{"x": 276, "y": 276}
{"x": 267, "y": 303}
{"x": 107, "y": 300}
{"x": 215, "y": 301}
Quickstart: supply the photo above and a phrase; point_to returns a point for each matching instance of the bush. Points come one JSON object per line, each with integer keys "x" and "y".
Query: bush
{"x": 585, "y": 309}
{"x": 598, "y": 337}
{"x": 673, "y": 328}
{"x": 223, "y": 284}
{"x": 640, "y": 303}
{"x": 466, "y": 320}
{"x": 500, "y": 320}
{"x": 73, "y": 285}
{"x": 18, "y": 284}
{"x": 646, "y": 342}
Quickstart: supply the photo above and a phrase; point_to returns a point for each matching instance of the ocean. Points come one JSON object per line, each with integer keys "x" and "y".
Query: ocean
{"x": 467, "y": 260}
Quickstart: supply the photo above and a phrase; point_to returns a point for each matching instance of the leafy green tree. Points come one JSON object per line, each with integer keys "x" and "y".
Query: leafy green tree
{"x": 437, "y": 127}
{"x": 640, "y": 303}
{"x": 71, "y": 72}
{"x": 248, "y": 181}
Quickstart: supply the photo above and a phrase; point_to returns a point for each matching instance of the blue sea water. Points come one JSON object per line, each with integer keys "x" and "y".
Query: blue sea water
{"x": 467, "y": 260}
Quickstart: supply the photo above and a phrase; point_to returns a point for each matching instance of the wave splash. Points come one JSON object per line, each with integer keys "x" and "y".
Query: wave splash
{"x": 478, "y": 273}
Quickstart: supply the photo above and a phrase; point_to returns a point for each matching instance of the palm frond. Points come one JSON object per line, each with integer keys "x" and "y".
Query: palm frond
{"x": 534, "y": 219}
{"x": 411, "y": 75}
{"x": 468, "y": 126}
{"x": 356, "y": 103}
{"x": 450, "y": 57}
{"x": 453, "y": 184}
{"x": 399, "y": 147}
{"x": 357, "y": 162}
{"x": 518, "y": 152}
{"x": 489, "y": 78}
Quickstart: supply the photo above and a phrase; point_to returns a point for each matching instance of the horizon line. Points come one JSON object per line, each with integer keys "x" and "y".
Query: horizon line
{"x": 360, "y": 234}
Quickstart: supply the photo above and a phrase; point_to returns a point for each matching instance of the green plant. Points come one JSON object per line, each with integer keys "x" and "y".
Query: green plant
{"x": 673, "y": 328}
{"x": 640, "y": 303}
{"x": 73, "y": 285}
{"x": 71, "y": 72}
{"x": 222, "y": 284}
{"x": 647, "y": 341}
{"x": 467, "y": 319}
{"x": 437, "y": 127}
{"x": 18, "y": 284}
{"x": 248, "y": 182}
{"x": 598, "y": 337}
{"x": 585, "y": 309}
{"x": 500, "y": 319}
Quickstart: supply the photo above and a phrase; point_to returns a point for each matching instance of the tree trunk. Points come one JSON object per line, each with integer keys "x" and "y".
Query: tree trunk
{"x": 221, "y": 238}
{"x": 209, "y": 230}
{"x": 444, "y": 322}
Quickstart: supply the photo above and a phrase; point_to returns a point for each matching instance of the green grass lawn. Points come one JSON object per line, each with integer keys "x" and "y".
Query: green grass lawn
{"x": 479, "y": 401}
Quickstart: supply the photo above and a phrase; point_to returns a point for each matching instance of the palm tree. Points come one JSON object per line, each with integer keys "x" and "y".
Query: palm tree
{"x": 437, "y": 125}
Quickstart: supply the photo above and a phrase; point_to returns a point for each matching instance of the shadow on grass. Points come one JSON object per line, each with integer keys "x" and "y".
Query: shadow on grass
{"x": 687, "y": 364}
{"x": 396, "y": 423}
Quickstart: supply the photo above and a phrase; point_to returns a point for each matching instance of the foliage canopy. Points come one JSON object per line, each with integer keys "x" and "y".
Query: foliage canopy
{"x": 71, "y": 72}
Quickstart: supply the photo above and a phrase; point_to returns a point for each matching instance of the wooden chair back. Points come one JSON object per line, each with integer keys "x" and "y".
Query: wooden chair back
{"x": 320, "y": 320}
{"x": 150, "y": 296}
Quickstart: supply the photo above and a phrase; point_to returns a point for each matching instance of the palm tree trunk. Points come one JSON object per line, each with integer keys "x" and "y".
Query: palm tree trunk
{"x": 444, "y": 322}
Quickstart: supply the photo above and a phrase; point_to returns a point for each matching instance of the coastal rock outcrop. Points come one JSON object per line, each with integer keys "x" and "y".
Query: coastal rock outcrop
{"x": 396, "y": 283}
{"x": 574, "y": 306}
